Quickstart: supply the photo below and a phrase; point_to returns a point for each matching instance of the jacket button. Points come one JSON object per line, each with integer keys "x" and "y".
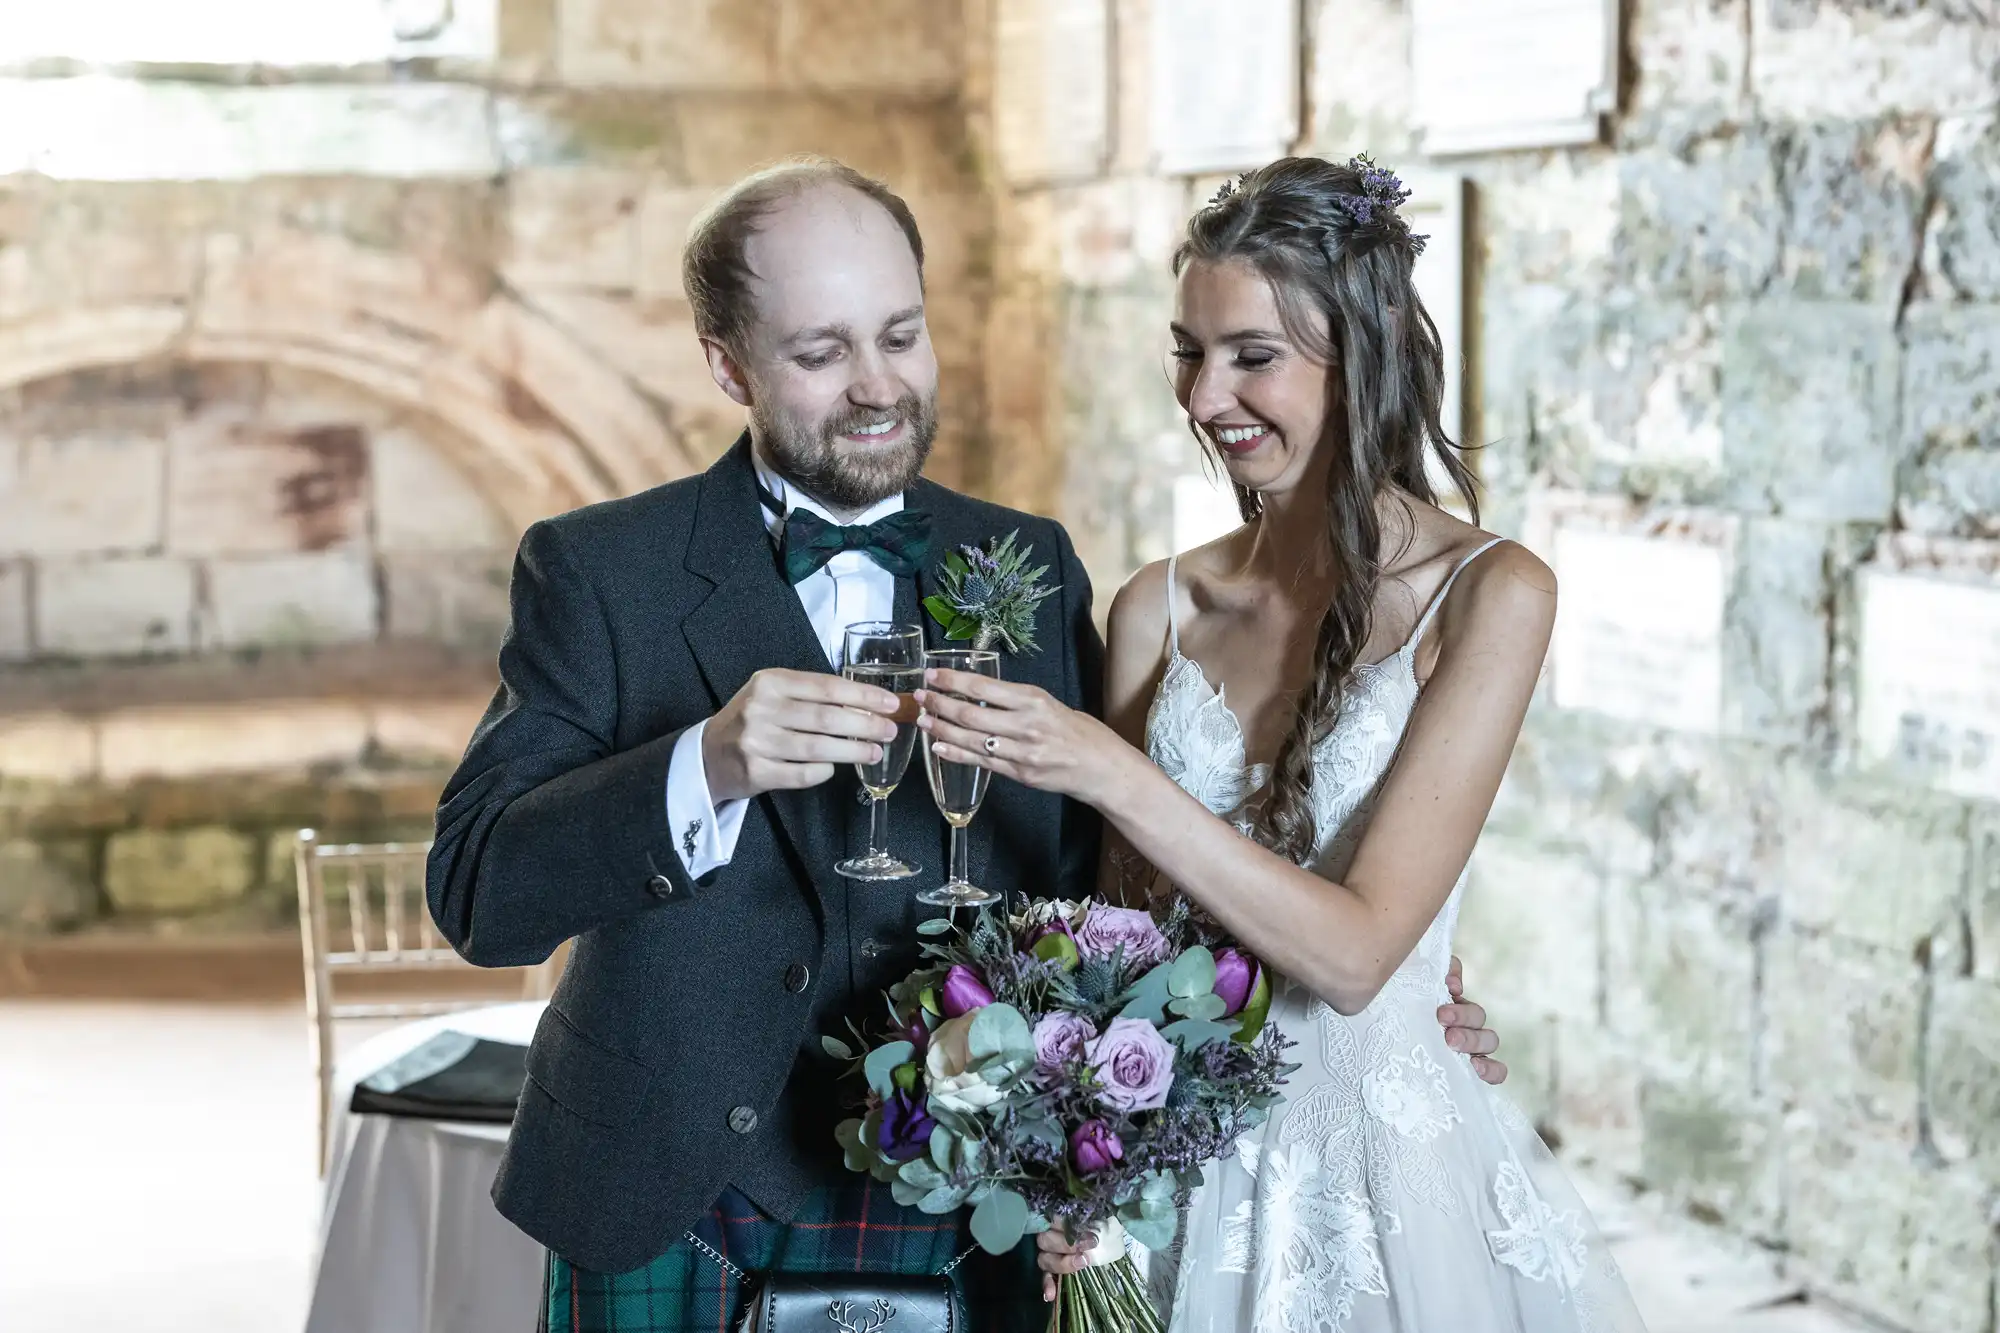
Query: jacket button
{"x": 742, "y": 1120}
{"x": 660, "y": 886}
{"x": 796, "y": 977}
{"x": 871, "y": 949}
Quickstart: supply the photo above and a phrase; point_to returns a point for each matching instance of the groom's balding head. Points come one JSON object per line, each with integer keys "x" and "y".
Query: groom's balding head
{"x": 808, "y": 292}
{"x": 716, "y": 267}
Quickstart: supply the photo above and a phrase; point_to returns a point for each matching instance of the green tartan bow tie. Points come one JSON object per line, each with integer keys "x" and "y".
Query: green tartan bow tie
{"x": 898, "y": 543}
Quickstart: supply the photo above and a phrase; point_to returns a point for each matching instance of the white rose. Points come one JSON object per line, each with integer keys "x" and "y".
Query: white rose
{"x": 944, "y": 1067}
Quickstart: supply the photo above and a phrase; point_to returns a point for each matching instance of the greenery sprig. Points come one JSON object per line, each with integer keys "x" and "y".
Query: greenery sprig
{"x": 989, "y": 597}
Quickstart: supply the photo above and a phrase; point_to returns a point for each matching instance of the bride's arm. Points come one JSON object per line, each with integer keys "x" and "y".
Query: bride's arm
{"x": 1343, "y": 940}
{"x": 1135, "y": 658}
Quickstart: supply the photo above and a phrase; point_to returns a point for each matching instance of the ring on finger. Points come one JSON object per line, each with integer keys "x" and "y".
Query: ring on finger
{"x": 991, "y": 745}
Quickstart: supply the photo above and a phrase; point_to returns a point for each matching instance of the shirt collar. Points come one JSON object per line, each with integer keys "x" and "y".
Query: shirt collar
{"x": 791, "y": 497}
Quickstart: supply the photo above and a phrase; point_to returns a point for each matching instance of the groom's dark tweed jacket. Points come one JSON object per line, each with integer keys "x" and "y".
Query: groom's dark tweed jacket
{"x": 681, "y": 1051}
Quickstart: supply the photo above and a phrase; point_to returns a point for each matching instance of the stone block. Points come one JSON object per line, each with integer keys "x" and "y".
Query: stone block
{"x": 87, "y": 494}
{"x": 291, "y": 600}
{"x": 425, "y": 731}
{"x": 17, "y": 641}
{"x": 47, "y": 747}
{"x": 666, "y": 213}
{"x": 1775, "y": 631}
{"x": 1951, "y": 420}
{"x": 1112, "y": 232}
{"x": 1857, "y": 61}
{"x": 150, "y": 871}
{"x": 1690, "y": 58}
{"x": 1681, "y": 984}
{"x": 1549, "y": 219}
{"x": 652, "y": 342}
{"x": 116, "y": 607}
{"x": 1702, "y": 222}
{"x": 1842, "y": 1030}
{"x": 1877, "y": 864}
{"x": 692, "y": 45}
{"x": 1809, "y": 410}
{"x": 1965, "y": 234}
{"x": 1596, "y": 1114}
{"x": 1361, "y": 82}
{"x": 426, "y": 501}
{"x": 1962, "y": 1069}
{"x": 240, "y": 488}
{"x": 1529, "y": 919}
{"x": 1716, "y": 1153}
{"x": 901, "y": 46}
{"x": 1853, "y": 197}
{"x": 572, "y": 227}
{"x": 457, "y": 598}
{"x": 722, "y": 139}
{"x": 1568, "y": 788}
{"x": 251, "y": 737}
{"x": 1984, "y": 880}
{"x": 1871, "y": 1224}
{"x": 45, "y": 886}
{"x": 1714, "y": 809}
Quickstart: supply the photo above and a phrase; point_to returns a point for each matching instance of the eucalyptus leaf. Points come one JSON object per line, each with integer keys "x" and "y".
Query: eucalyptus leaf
{"x": 1193, "y": 973}
{"x": 943, "y": 1141}
{"x": 999, "y": 1029}
{"x": 1147, "y": 997}
{"x": 856, "y": 1153}
{"x": 836, "y": 1048}
{"x": 936, "y": 925}
{"x": 919, "y": 1172}
{"x": 1191, "y": 1034}
{"x": 905, "y": 1193}
{"x": 1155, "y": 1233}
{"x": 942, "y": 1200}
{"x": 881, "y": 1064}
{"x": 1000, "y": 1220}
{"x": 1208, "y": 1006}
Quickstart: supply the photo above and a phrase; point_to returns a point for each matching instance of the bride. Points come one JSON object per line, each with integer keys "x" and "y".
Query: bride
{"x": 1306, "y": 722}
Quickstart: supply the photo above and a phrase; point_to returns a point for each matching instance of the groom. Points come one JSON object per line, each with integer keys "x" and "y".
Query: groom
{"x": 666, "y": 776}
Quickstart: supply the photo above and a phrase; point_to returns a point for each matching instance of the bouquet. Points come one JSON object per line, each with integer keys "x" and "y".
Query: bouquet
{"x": 1071, "y": 1064}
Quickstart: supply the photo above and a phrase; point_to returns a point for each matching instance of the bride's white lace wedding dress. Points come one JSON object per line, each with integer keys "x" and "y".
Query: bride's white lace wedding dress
{"x": 1391, "y": 1190}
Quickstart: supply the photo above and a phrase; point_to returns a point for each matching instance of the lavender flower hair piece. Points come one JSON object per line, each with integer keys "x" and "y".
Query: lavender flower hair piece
{"x": 1382, "y": 194}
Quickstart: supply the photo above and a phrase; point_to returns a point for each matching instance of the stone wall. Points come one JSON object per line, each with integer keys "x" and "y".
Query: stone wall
{"x": 290, "y": 354}
{"x": 1749, "y": 965}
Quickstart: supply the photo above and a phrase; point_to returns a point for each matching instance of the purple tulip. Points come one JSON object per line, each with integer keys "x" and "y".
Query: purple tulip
{"x": 963, "y": 992}
{"x": 1094, "y": 1147}
{"x": 1236, "y": 976}
{"x": 906, "y": 1127}
{"x": 918, "y": 1036}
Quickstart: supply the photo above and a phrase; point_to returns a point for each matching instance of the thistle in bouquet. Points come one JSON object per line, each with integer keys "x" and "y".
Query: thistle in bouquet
{"x": 1072, "y": 1064}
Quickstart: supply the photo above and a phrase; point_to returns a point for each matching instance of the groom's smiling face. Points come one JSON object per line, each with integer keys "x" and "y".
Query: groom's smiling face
{"x": 837, "y": 365}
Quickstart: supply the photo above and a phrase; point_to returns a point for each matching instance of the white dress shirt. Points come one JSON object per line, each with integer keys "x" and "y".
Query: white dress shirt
{"x": 847, "y": 590}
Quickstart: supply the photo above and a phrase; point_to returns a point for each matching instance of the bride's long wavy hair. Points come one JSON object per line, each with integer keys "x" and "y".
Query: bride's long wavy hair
{"x": 1338, "y": 255}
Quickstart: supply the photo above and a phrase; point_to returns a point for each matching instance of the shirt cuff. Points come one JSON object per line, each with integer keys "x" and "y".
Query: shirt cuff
{"x": 704, "y": 833}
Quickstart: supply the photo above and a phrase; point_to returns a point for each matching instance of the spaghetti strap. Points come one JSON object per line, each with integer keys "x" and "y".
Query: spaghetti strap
{"x": 1430, "y": 612}
{"x": 1173, "y": 620}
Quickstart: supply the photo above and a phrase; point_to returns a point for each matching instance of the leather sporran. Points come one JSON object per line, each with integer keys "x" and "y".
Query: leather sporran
{"x": 854, "y": 1303}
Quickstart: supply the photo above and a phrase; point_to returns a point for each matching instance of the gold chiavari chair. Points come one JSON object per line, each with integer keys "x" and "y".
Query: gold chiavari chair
{"x": 379, "y": 888}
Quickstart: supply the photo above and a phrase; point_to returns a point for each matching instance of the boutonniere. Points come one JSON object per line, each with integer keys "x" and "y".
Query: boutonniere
{"x": 989, "y": 596}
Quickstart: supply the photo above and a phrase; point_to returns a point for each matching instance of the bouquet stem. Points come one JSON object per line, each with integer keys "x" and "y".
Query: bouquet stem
{"x": 1107, "y": 1297}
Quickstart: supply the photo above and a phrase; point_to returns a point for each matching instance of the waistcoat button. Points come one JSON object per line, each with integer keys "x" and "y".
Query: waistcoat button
{"x": 796, "y": 977}
{"x": 743, "y": 1120}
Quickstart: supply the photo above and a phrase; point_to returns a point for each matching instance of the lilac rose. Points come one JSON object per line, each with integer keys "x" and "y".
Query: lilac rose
{"x": 1094, "y": 1147}
{"x": 1134, "y": 1065}
{"x": 906, "y": 1128}
{"x": 963, "y": 992}
{"x": 1059, "y": 1038}
{"x": 1105, "y": 928}
{"x": 1236, "y": 976}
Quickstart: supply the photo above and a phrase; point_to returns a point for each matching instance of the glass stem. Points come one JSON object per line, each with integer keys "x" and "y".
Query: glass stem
{"x": 875, "y": 837}
{"x": 958, "y": 875}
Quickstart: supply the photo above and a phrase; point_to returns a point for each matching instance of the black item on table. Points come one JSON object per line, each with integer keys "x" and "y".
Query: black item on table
{"x": 450, "y": 1077}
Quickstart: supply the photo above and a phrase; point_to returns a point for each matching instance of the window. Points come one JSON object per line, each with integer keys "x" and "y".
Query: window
{"x": 326, "y": 33}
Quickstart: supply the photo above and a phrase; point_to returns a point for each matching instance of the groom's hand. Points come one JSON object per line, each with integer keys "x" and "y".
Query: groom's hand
{"x": 1465, "y": 1028}
{"x": 789, "y": 729}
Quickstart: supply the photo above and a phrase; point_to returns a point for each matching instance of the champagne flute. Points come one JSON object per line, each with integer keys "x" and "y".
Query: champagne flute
{"x": 891, "y": 657}
{"x": 958, "y": 788}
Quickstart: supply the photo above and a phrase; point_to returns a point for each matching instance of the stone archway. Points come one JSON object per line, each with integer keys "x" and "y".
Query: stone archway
{"x": 543, "y": 422}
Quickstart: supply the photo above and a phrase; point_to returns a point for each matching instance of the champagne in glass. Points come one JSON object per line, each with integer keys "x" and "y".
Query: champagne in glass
{"x": 958, "y": 789}
{"x": 890, "y": 657}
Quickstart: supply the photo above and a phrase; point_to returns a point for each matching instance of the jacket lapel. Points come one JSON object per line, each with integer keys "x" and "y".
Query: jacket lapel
{"x": 753, "y": 620}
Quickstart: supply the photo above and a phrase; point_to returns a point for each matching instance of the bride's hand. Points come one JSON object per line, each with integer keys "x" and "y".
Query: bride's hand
{"x": 1022, "y": 732}
{"x": 1057, "y": 1256}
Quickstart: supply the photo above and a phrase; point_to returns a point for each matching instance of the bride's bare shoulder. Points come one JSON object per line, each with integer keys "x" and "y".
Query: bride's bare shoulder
{"x": 1139, "y": 611}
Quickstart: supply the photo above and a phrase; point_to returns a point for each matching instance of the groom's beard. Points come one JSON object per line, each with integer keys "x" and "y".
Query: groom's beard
{"x": 838, "y": 472}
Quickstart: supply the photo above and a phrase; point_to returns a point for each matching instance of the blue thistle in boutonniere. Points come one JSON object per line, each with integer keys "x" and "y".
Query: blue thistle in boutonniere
{"x": 990, "y": 597}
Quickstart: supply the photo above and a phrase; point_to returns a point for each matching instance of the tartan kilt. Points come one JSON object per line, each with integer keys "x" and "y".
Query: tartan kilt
{"x": 850, "y": 1229}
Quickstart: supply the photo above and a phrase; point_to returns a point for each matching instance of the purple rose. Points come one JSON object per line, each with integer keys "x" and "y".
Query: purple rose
{"x": 1236, "y": 977}
{"x": 1134, "y": 1065}
{"x": 906, "y": 1128}
{"x": 963, "y": 992}
{"x": 1105, "y": 928}
{"x": 1059, "y": 1038}
{"x": 1094, "y": 1147}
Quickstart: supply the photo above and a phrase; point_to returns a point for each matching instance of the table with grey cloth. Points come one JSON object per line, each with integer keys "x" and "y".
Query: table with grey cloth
{"x": 409, "y": 1240}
